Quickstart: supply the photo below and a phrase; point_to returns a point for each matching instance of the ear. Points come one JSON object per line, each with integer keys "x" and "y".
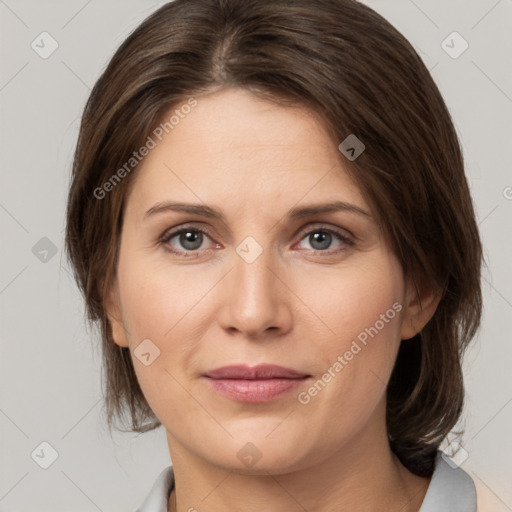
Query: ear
{"x": 420, "y": 306}
{"x": 115, "y": 318}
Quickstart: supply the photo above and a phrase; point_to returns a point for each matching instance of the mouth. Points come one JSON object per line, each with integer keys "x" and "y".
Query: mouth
{"x": 262, "y": 383}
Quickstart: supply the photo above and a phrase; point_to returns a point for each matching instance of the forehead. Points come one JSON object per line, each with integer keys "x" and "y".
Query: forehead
{"x": 237, "y": 148}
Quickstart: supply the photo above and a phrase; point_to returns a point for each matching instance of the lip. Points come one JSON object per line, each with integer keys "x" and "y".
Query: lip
{"x": 262, "y": 383}
{"x": 261, "y": 371}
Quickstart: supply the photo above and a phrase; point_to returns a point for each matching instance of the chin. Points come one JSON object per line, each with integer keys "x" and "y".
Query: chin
{"x": 257, "y": 455}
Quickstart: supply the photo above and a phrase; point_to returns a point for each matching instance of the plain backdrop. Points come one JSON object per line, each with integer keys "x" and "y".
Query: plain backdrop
{"x": 50, "y": 389}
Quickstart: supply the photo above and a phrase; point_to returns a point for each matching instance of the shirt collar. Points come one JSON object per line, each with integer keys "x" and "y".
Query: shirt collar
{"x": 451, "y": 489}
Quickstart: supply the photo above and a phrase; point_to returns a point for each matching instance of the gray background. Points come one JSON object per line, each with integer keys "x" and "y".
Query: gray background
{"x": 50, "y": 365}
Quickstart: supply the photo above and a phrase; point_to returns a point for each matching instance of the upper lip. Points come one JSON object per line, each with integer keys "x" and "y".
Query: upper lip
{"x": 261, "y": 371}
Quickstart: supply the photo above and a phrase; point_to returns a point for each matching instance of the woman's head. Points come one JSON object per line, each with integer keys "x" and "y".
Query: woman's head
{"x": 241, "y": 106}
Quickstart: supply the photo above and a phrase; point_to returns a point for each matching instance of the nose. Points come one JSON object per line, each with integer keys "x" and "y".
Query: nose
{"x": 256, "y": 299}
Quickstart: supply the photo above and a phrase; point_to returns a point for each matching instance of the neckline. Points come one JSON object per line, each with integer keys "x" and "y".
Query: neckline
{"x": 450, "y": 489}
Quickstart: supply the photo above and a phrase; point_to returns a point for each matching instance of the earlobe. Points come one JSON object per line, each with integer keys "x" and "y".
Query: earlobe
{"x": 115, "y": 318}
{"x": 418, "y": 310}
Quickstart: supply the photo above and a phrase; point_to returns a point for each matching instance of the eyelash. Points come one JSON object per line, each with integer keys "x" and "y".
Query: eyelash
{"x": 167, "y": 236}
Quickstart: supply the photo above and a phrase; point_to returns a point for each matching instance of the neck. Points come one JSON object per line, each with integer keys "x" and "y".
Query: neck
{"x": 364, "y": 475}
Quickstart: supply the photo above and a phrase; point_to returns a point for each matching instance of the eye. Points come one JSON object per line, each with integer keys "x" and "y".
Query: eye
{"x": 189, "y": 238}
{"x": 321, "y": 239}
{"x": 188, "y": 241}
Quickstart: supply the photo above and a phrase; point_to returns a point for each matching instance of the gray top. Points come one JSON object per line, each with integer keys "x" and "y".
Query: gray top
{"x": 450, "y": 490}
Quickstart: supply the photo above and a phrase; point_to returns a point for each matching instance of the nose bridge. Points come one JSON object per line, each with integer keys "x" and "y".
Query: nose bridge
{"x": 252, "y": 274}
{"x": 255, "y": 300}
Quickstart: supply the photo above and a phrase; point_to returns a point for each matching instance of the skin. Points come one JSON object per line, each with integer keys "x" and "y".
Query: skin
{"x": 299, "y": 304}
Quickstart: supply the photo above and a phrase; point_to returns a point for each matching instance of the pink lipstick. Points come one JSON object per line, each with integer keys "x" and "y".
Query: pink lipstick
{"x": 262, "y": 383}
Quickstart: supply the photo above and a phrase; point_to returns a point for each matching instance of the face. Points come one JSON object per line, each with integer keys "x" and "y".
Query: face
{"x": 265, "y": 280}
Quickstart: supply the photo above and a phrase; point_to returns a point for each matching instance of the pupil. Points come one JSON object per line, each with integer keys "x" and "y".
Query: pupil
{"x": 324, "y": 240}
{"x": 189, "y": 240}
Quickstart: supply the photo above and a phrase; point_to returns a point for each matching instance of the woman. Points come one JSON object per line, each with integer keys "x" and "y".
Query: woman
{"x": 270, "y": 221}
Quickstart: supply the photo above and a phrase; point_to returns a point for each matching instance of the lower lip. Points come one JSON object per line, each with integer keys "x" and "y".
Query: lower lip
{"x": 264, "y": 390}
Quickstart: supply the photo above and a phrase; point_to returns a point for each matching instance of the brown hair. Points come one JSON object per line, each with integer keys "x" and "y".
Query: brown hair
{"x": 352, "y": 67}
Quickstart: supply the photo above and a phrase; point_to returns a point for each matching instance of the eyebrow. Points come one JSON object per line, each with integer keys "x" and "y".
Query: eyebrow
{"x": 293, "y": 214}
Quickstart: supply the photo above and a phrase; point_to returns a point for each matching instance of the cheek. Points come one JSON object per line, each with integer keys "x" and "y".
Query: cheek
{"x": 358, "y": 300}
{"x": 160, "y": 310}
{"x": 354, "y": 357}
{"x": 157, "y": 298}
{"x": 166, "y": 305}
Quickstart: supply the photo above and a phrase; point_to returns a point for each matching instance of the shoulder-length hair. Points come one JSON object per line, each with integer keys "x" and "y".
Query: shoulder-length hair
{"x": 355, "y": 70}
